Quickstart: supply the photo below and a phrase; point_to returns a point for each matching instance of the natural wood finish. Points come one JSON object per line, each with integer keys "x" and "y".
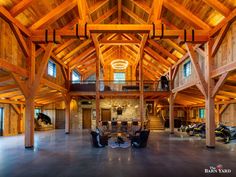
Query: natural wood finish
{"x": 54, "y": 14}
{"x": 197, "y": 68}
{"x": 185, "y": 14}
{"x": 20, "y": 7}
{"x": 218, "y": 6}
{"x": 209, "y": 100}
{"x": 219, "y": 83}
{"x": 219, "y": 39}
{"x": 20, "y": 39}
{"x": 10, "y": 19}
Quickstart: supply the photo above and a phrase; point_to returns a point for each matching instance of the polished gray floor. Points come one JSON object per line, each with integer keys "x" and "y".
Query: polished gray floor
{"x": 59, "y": 155}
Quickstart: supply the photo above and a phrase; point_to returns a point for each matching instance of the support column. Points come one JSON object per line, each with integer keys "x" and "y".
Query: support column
{"x": 67, "y": 114}
{"x": 141, "y": 100}
{"x": 217, "y": 114}
{"x": 29, "y": 122}
{"x": 171, "y": 103}
{"x": 97, "y": 89}
{"x": 171, "y": 112}
{"x": 209, "y": 100}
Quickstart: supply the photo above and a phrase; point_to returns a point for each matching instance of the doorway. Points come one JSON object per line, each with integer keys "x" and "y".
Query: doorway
{"x": 86, "y": 118}
{"x": 1, "y": 121}
{"x": 60, "y": 119}
{"x": 106, "y": 115}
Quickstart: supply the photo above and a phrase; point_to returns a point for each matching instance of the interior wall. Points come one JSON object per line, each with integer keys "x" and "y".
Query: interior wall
{"x": 9, "y": 48}
{"x": 228, "y": 117}
{"x": 10, "y": 120}
{"x": 180, "y": 80}
{"x": 227, "y": 51}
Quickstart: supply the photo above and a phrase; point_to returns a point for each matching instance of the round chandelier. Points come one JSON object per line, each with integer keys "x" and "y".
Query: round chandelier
{"x": 119, "y": 64}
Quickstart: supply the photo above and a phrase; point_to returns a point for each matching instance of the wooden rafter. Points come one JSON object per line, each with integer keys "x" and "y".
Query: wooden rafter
{"x": 217, "y": 5}
{"x": 185, "y": 14}
{"x": 54, "y": 14}
{"x": 20, "y": 7}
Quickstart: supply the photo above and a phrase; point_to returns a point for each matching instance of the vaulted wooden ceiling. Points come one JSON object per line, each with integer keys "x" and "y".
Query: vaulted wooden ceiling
{"x": 159, "y": 54}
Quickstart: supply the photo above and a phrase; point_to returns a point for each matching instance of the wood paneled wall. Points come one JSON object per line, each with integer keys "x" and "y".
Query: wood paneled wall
{"x": 227, "y": 51}
{"x": 180, "y": 80}
{"x": 9, "y": 47}
{"x": 12, "y": 124}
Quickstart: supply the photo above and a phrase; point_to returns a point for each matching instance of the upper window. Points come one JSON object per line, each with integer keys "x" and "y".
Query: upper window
{"x": 119, "y": 77}
{"x": 187, "y": 69}
{"x": 75, "y": 77}
{"x": 52, "y": 70}
{"x": 201, "y": 113}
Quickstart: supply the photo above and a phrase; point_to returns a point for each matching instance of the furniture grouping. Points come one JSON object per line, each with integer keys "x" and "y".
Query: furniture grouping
{"x": 120, "y": 134}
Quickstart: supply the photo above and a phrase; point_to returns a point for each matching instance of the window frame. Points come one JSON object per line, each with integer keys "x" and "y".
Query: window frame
{"x": 54, "y": 69}
{"x": 187, "y": 69}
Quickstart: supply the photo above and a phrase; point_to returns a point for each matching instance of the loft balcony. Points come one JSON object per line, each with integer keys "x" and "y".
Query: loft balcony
{"x": 119, "y": 88}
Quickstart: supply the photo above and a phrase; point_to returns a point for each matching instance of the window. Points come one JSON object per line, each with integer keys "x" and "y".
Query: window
{"x": 201, "y": 113}
{"x": 119, "y": 77}
{"x": 75, "y": 77}
{"x": 36, "y": 112}
{"x": 187, "y": 69}
{"x": 52, "y": 69}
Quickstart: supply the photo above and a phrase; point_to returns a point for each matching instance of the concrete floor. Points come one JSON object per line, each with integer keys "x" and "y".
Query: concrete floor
{"x": 60, "y": 155}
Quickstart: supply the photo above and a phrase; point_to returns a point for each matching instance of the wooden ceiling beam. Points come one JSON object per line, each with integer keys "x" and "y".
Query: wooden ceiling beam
{"x": 157, "y": 57}
{"x": 10, "y": 19}
{"x": 74, "y": 61}
{"x": 54, "y": 14}
{"x": 63, "y": 46}
{"x": 163, "y": 50}
{"x": 119, "y": 4}
{"x": 217, "y": 5}
{"x": 54, "y": 57}
{"x": 142, "y": 6}
{"x": 97, "y": 6}
{"x": 20, "y": 7}
{"x": 8, "y": 87}
{"x": 13, "y": 68}
{"x": 119, "y": 42}
{"x": 156, "y": 15}
{"x": 133, "y": 15}
{"x": 75, "y": 50}
{"x": 106, "y": 15}
{"x": 226, "y": 20}
{"x": 185, "y": 14}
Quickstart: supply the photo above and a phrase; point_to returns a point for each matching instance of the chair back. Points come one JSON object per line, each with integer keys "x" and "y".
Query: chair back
{"x": 94, "y": 138}
{"x": 144, "y": 134}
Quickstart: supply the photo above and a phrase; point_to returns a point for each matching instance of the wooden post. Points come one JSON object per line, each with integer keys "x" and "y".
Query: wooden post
{"x": 29, "y": 122}
{"x": 29, "y": 99}
{"x": 97, "y": 88}
{"x": 217, "y": 113}
{"x": 171, "y": 104}
{"x": 209, "y": 100}
{"x": 67, "y": 113}
{"x": 141, "y": 98}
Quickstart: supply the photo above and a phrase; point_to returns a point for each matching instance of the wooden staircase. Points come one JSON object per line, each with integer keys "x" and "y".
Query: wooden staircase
{"x": 156, "y": 123}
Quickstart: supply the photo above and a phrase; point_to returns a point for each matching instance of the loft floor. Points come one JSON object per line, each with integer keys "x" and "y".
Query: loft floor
{"x": 60, "y": 155}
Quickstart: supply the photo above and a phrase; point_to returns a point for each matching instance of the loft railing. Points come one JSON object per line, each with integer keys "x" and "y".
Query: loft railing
{"x": 119, "y": 86}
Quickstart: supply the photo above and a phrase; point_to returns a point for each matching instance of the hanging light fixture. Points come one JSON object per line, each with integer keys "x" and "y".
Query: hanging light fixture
{"x": 119, "y": 64}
